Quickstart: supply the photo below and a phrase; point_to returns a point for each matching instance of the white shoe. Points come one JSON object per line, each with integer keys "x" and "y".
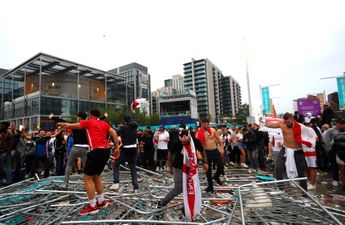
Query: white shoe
{"x": 115, "y": 187}
{"x": 335, "y": 183}
{"x": 244, "y": 165}
{"x": 232, "y": 164}
{"x": 311, "y": 187}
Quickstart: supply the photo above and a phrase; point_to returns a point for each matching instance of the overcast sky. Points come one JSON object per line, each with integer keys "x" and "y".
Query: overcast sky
{"x": 291, "y": 43}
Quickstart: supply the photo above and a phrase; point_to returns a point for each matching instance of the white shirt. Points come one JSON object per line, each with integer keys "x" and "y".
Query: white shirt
{"x": 161, "y": 137}
{"x": 240, "y": 136}
{"x": 51, "y": 144}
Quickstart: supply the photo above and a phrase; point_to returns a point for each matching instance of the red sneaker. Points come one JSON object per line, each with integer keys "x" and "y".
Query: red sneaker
{"x": 103, "y": 204}
{"x": 89, "y": 210}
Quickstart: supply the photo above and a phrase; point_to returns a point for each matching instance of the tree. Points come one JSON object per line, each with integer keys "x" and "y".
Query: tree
{"x": 115, "y": 116}
{"x": 242, "y": 113}
{"x": 155, "y": 119}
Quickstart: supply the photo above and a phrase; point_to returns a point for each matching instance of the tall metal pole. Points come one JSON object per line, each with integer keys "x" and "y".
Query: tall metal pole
{"x": 247, "y": 73}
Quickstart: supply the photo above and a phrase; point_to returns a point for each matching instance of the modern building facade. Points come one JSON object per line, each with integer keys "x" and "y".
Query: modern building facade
{"x": 138, "y": 78}
{"x": 46, "y": 84}
{"x": 230, "y": 95}
{"x": 176, "y": 82}
{"x": 217, "y": 96}
{"x": 203, "y": 77}
{"x": 333, "y": 98}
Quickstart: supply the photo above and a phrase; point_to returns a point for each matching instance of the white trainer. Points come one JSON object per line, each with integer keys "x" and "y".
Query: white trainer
{"x": 335, "y": 183}
{"x": 311, "y": 187}
{"x": 115, "y": 187}
{"x": 244, "y": 165}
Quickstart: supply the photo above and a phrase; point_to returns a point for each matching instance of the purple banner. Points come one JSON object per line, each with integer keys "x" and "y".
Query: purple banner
{"x": 305, "y": 106}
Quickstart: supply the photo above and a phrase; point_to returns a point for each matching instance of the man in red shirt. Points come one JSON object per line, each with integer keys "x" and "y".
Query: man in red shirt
{"x": 97, "y": 131}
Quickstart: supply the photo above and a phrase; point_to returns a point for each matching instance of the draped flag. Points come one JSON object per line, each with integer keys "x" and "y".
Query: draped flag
{"x": 191, "y": 185}
{"x": 136, "y": 103}
{"x": 299, "y": 130}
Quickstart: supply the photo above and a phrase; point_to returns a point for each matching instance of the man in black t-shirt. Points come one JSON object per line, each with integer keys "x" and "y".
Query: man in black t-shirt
{"x": 129, "y": 151}
{"x": 175, "y": 164}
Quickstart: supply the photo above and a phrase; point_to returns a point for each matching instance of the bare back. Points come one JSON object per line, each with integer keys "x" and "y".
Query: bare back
{"x": 289, "y": 137}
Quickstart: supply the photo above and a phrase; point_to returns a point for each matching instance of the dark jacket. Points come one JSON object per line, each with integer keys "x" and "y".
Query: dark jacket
{"x": 128, "y": 133}
{"x": 327, "y": 116}
{"x": 250, "y": 139}
{"x": 7, "y": 142}
{"x": 339, "y": 145}
{"x": 60, "y": 147}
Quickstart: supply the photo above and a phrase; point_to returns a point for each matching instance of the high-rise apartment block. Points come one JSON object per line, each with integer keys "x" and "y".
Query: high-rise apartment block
{"x": 217, "y": 96}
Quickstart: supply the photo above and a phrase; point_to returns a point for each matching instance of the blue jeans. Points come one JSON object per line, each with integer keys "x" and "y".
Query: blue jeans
{"x": 252, "y": 156}
{"x": 5, "y": 167}
{"x": 127, "y": 155}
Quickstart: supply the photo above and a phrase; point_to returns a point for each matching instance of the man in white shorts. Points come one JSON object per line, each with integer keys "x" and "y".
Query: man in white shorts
{"x": 310, "y": 154}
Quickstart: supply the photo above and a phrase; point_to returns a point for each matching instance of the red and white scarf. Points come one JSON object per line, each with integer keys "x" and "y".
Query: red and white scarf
{"x": 191, "y": 185}
{"x": 201, "y": 134}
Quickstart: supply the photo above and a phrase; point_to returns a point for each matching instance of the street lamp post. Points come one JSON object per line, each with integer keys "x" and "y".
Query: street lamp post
{"x": 247, "y": 73}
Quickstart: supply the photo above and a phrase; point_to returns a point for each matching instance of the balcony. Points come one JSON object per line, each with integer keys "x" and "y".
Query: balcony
{"x": 176, "y": 113}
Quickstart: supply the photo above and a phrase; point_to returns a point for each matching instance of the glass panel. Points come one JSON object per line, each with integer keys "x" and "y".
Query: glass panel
{"x": 63, "y": 107}
{"x": 91, "y": 88}
{"x": 18, "y": 86}
{"x": 86, "y": 106}
{"x": 8, "y": 106}
{"x": 19, "y": 109}
{"x": 61, "y": 83}
{"x": 116, "y": 91}
{"x": 32, "y": 82}
{"x": 34, "y": 123}
{"x": 47, "y": 124}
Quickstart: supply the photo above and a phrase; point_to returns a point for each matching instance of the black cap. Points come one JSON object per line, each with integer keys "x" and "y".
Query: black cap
{"x": 82, "y": 115}
{"x": 126, "y": 119}
{"x": 183, "y": 132}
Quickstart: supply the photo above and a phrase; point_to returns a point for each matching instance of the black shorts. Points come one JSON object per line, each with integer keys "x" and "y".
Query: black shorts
{"x": 162, "y": 154}
{"x": 96, "y": 160}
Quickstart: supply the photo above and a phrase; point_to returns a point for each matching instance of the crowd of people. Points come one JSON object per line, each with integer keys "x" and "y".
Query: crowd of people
{"x": 292, "y": 145}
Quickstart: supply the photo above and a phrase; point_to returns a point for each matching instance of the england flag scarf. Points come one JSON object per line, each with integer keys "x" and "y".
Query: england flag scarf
{"x": 191, "y": 185}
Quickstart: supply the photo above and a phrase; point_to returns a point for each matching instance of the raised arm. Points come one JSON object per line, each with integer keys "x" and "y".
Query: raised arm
{"x": 273, "y": 125}
{"x": 70, "y": 125}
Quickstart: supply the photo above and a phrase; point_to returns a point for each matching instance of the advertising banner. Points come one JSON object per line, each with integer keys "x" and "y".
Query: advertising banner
{"x": 306, "y": 105}
{"x": 341, "y": 92}
{"x": 266, "y": 102}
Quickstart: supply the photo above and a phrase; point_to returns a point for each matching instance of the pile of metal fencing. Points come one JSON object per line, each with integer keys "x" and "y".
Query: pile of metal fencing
{"x": 243, "y": 199}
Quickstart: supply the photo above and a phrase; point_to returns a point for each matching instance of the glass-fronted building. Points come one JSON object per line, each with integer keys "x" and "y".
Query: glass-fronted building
{"x": 136, "y": 76}
{"x": 46, "y": 84}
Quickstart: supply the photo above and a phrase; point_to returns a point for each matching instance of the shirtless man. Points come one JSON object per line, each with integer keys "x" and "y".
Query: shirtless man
{"x": 291, "y": 143}
{"x": 210, "y": 140}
